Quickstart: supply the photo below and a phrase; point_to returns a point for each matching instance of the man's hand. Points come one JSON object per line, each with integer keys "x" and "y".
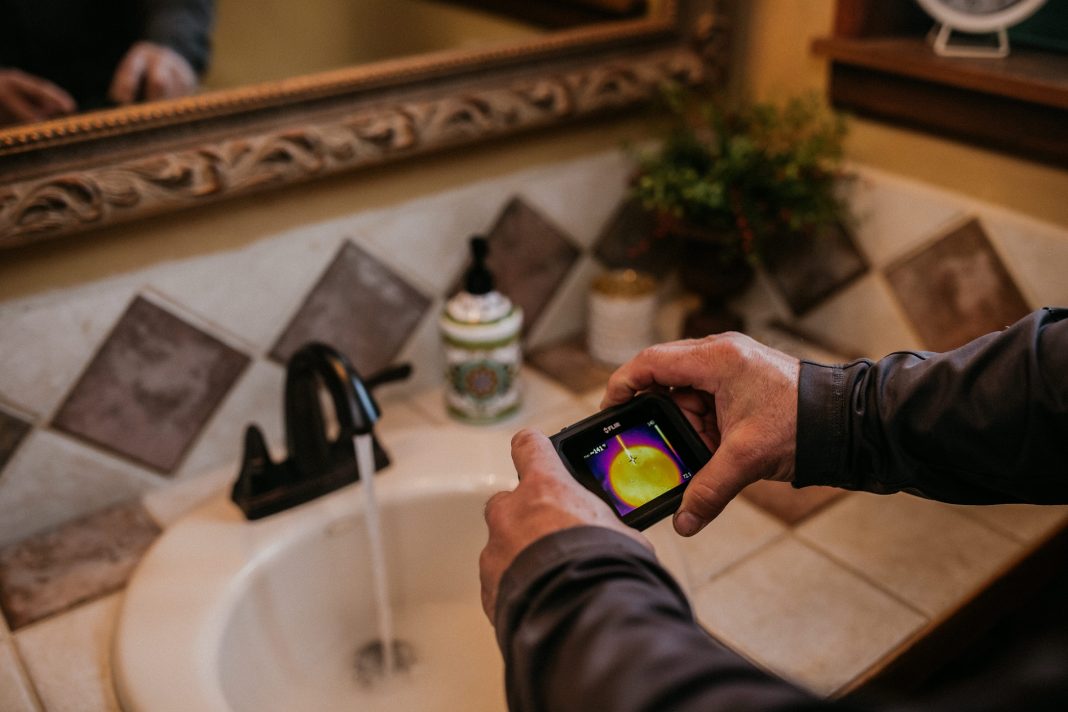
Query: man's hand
{"x": 740, "y": 395}
{"x": 150, "y": 71}
{"x": 547, "y": 500}
{"x": 25, "y": 98}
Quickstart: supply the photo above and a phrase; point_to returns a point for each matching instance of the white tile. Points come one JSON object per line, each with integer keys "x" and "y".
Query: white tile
{"x": 170, "y": 503}
{"x": 565, "y": 315}
{"x": 580, "y": 196}
{"x": 894, "y": 216}
{"x": 1028, "y": 523}
{"x": 255, "y": 398}
{"x": 922, "y": 551}
{"x": 803, "y": 617}
{"x": 16, "y": 695}
{"x": 52, "y": 478}
{"x": 666, "y": 542}
{"x": 863, "y": 318}
{"x": 68, "y": 658}
{"x": 428, "y": 238}
{"x": 740, "y": 530}
{"x": 671, "y": 316}
{"x": 593, "y": 399}
{"x": 424, "y": 351}
{"x": 761, "y": 302}
{"x": 1035, "y": 253}
{"x": 398, "y": 415}
{"x": 553, "y": 421}
{"x": 252, "y": 292}
{"x": 540, "y": 396}
{"x": 49, "y": 340}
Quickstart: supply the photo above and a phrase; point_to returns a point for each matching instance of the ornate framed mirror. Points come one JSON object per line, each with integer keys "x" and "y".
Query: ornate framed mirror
{"x": 72, "y": 174}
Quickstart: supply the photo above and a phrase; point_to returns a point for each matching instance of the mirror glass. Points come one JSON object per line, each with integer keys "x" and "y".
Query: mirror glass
{"x": 59, "y": 57}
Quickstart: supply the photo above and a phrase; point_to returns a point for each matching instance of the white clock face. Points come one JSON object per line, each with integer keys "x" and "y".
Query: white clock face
{"x": 981, "y": 7}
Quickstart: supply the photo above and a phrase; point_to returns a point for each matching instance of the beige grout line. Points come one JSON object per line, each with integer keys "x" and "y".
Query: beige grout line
{"x": 863, "y": 576}
{"x": 27, "y": 679}
{"x": 752, "y": 554}
{"x": 1013, "y": 536}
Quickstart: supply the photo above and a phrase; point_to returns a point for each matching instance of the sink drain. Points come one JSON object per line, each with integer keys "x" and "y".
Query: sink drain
{"x": 370, "y": 661}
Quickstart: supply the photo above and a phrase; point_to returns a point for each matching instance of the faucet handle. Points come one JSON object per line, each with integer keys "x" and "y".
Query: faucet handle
{"x": 317, "y": 463}
{"x": 389, "y": 374}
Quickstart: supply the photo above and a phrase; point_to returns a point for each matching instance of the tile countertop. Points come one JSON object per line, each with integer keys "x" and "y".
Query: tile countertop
{"x": 824, "y": 590}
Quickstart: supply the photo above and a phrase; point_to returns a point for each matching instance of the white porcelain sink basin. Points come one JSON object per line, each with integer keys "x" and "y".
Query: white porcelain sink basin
{"x": 228, "y": 615}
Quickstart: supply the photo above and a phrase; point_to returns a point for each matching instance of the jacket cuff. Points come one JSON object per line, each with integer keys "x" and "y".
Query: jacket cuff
{"x": 822, "y": 421}
{"x": 548, "y": 554}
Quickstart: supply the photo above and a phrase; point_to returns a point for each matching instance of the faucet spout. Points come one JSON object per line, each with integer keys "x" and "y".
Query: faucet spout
{"x": 321, "y": 452}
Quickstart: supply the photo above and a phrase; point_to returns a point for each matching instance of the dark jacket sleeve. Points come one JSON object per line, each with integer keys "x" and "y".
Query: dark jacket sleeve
{"x": 985, "y": 423}
{"x": 588, "y": 620}
{"x": 183, "y": 25}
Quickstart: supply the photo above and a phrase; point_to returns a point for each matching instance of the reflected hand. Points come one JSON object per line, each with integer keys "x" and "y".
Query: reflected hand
{"x": 547, "y": 500}
{"x": 25, "y": 98}
{"x": 741, "y": 397}
{"x": 150, "y": 71}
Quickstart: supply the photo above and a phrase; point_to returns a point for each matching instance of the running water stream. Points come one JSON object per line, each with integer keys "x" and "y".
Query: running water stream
{"x": 365, "y": 463}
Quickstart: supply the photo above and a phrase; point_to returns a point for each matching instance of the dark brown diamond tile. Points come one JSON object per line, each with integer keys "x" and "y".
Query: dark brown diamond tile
{"x": 790, "y": 505}
{"x": 956, "y": 289}
{"x": 360, "y": 307}
{"x": 629, "y": 241}
{"x": 529, "y": 257}
{"x": 12, "y": 431}
{"x": 809, "y": 268}
{"x": 570, "y": 364}
{"x": 151, "y": 388}
{"x": 78, "y": 562}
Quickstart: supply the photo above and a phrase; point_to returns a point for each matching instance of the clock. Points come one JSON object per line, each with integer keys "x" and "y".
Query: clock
{"x": 976, "y": 17}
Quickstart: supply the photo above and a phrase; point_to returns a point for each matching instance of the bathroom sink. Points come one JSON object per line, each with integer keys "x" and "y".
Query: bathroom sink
{"x": 229, "y": 615}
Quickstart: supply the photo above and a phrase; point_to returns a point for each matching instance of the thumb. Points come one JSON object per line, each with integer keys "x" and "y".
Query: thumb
{"x": 711, "y": 489}
{"x": 532, "y": 452}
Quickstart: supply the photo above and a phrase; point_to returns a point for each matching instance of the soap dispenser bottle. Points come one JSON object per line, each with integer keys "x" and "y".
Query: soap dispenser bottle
{"x": 480, "y": 329}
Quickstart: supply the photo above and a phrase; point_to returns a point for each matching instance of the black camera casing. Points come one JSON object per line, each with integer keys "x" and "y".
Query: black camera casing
{"x": 574, "y": 441}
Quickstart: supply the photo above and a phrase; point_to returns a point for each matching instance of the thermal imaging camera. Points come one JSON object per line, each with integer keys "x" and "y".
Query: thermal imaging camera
{"x": 638, "y": 457}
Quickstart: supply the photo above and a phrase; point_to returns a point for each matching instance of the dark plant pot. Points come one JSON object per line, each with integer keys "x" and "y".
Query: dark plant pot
{"x": 717, "y": 270}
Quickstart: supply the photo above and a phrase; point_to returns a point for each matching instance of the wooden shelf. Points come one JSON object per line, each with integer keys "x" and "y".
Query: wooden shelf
{"x": 1018, "y": 104}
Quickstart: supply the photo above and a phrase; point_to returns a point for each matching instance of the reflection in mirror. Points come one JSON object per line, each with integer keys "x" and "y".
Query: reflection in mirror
{"x": 62, "y": 56}
{"x": 59, "y": 57}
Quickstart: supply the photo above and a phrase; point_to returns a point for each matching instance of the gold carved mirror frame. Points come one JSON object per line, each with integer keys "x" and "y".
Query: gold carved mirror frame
{"x": 79, "y": 173}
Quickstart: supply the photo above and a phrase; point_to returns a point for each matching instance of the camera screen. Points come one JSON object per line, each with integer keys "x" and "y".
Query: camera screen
{"x": 635, "y": 465}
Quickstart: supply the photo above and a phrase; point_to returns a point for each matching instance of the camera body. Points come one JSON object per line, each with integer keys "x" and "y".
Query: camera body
{"x": 638, "y": 457}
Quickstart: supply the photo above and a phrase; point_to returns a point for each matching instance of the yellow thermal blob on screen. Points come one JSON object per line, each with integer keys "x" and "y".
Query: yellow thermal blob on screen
{"x": 653, "y": 474}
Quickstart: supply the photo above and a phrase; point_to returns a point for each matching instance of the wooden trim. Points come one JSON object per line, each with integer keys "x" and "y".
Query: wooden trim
{"x": 1036, "y": 77}
{"x": 67, "y": 202}
{"x": 1017, "y": 105}
{"x": 1034, "y": 131}
{"x": 337, "y": 82}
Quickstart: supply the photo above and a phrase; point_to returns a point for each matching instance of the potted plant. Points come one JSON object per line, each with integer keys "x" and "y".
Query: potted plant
{"x": 730, "y": 183}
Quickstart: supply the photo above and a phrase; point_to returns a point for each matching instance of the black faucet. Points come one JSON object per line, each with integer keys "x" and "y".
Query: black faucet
{"x": 317, "y": 464}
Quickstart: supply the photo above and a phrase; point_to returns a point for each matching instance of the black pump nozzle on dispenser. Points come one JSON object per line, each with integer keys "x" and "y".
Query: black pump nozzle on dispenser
{"x": 478, "y": 279}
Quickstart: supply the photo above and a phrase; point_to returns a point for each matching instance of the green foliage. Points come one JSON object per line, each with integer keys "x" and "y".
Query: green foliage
{"x": 746, "y": 174}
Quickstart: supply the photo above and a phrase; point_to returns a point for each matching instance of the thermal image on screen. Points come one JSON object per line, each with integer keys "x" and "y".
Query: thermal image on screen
{"x": 636, "y": 466}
